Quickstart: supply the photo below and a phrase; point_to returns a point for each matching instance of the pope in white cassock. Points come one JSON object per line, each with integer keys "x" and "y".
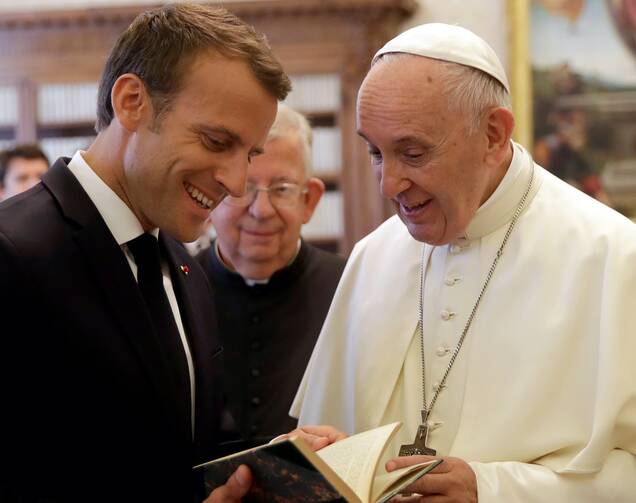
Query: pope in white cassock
{"x": 499, "y": 301}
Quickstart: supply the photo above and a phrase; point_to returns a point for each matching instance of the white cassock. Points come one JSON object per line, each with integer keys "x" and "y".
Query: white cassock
{"x": 542, "y": 398}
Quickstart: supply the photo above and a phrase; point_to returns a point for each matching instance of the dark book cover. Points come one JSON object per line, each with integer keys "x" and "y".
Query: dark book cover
{"x": 281, "y": 473}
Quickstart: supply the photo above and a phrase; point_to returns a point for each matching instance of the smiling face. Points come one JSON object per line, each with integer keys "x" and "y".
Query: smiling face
{"x": 260, "y": 239}
{"x": 434, "y": 173}
{"x": 178, "y": 168}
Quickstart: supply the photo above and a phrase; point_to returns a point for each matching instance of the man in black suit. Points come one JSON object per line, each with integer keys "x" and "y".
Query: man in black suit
{"x": 108, "y": 371}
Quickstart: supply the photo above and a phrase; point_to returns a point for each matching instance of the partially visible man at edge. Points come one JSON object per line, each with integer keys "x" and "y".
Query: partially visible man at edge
{"x": 272, "y": 289}
{"x": 111, "y": 392}
{"x": 495, "y": 314}
{"x": 21, "y": 167}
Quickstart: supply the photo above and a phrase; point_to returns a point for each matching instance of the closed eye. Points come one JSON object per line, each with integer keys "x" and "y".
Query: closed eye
{"x": 215, "y": 144}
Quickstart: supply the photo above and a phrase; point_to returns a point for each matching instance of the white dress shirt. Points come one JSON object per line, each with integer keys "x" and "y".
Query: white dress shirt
{"x": 124, "y": 226}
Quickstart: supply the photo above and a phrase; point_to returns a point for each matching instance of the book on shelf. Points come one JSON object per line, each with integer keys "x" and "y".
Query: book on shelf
{"x": 315, "y": 92}
{"x": 8, "y": 105}
{"x": 327, "y": 220}
{"x": 64, "y": 146}
{"x": 326, "y": 150}
{"x": 67, "y": 103}
{"x": 348, "y": 470}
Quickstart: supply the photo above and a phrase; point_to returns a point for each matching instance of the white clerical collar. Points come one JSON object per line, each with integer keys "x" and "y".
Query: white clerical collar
{"x": 250, "y": 281}
{"x": 501, "y": 205}
{"x": 119, "y": 218}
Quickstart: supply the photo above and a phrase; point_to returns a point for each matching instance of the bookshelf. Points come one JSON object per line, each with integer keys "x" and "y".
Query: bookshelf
{"x": 8, "y": 114}
{"x": 50, "y": 63}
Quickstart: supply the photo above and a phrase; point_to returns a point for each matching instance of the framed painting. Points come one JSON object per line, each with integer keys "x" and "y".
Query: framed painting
{"x": 573, "y": 62}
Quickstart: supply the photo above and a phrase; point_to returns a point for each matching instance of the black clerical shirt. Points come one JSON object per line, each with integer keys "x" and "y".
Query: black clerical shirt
{"x": 268, "y": 332}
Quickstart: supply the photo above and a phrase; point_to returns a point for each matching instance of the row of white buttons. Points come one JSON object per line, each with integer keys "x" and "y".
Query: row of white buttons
{"x": 452, "y": 281}
{"x": 455, "y": 249}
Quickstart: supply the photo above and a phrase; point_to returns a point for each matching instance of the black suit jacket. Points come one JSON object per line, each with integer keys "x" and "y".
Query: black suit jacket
{"x": 88, "y": 404}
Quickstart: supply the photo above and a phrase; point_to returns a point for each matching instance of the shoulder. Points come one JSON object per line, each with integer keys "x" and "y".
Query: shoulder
{"x": 392, "y": 235}
{"x": 325, "y": 259}
{"x": 33, "y": 223}
{"x": 572, "y": 216}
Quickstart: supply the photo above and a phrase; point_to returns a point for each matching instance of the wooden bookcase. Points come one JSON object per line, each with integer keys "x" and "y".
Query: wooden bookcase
{"x": 311, "y": 37}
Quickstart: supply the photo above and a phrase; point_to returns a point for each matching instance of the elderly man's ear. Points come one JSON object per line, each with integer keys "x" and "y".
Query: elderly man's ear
{"x": 315, "y": 190}
{"x": 498, "y": 124}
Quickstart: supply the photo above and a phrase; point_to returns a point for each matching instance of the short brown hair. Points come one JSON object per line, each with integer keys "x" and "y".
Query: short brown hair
{"x": 160, "y": 44}
{"x": 26, "y": 151}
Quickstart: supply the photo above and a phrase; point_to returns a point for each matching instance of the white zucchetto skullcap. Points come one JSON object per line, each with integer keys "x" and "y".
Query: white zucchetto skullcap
{"x": 448, "y": 43}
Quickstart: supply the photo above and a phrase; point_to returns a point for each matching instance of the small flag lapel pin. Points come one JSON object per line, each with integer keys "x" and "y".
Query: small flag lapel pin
{"x": 184, "y": 269}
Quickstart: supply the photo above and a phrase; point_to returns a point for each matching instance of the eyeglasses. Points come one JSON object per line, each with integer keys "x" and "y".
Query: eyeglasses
{"x": 280, "y": 194}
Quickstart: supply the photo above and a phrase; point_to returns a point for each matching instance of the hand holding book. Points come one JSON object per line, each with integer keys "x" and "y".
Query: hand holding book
{"x": 240, "y": 482}
{"x": 454, "y": 480}
{"x": 347, "y": 470}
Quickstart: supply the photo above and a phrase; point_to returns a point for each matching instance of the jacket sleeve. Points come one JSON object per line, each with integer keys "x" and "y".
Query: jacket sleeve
{"x": 515, "y": 482}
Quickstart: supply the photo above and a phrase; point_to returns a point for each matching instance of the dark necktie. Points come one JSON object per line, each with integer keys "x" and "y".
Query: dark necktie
{"x": 145, "y": 250}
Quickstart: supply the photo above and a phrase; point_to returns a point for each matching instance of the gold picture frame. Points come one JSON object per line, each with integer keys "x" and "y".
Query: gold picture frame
{"x": 572, "y": 67}
{"x": 519, "y": 70}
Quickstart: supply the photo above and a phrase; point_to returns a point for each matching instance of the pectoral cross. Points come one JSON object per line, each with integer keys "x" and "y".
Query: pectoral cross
{"x": 418, "y": 447}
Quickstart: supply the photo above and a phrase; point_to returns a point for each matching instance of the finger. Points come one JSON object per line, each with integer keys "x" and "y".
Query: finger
{"x": 317, "y": 443}
{"x": 325, "y": 431}
{"x": 403, "y": 461}
{"x": 414, "y": 498}
{"x": 314, "y": 441}
{"x": 432, "y": 484}
{"x": 234, "y": 489}
{"x": 437, "y": 498}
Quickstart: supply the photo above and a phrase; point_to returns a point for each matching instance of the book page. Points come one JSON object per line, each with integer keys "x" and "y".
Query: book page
{"x": 355, "y": 459}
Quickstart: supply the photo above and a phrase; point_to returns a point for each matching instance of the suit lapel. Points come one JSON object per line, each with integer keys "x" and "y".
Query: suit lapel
{"x": 113, "y": 278}
{"x": 203, "y": 342}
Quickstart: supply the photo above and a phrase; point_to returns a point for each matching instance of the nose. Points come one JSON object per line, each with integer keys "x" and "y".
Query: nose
{"x": 262, "y": 207}
{"x": 392, "y": 180}
{"x": 233, "y": 175}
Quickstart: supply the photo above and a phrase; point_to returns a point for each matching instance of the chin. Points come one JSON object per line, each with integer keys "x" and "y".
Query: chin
{"x": 183, "y": 233}
{"x": 424, "y": 234}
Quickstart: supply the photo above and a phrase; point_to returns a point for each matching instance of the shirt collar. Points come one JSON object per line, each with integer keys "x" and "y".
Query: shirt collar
{"x": 502, "y": 204}
{"x": 119, "y": 218}
{"x": 250, "y": 281}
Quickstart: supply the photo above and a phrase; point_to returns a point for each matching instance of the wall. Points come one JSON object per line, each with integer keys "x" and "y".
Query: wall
{"x": 487, "y": 18}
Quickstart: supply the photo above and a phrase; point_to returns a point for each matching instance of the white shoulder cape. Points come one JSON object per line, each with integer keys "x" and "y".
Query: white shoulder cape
{"x": 551, "y": 376}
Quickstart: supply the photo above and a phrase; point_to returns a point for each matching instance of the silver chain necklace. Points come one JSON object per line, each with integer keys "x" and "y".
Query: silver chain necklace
{"x": 419, "y": 446}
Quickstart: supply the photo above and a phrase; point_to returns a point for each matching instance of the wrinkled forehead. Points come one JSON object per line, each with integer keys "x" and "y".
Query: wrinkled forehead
{"x": 405, "y": 74}
{"x": 282, "y": 160}
{"x": 401, "y": 87}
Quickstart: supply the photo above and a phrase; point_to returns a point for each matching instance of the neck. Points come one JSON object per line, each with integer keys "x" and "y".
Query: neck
{"x": 250, "y": 270}
{"x": 105, "y": 157}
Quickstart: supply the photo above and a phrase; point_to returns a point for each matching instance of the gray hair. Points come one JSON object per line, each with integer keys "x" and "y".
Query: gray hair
{"x": 289, "y": 122}
{"x": 468, "y": 90}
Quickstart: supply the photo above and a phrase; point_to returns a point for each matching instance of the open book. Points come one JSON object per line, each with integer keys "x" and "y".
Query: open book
{"x": 348, "y": 470}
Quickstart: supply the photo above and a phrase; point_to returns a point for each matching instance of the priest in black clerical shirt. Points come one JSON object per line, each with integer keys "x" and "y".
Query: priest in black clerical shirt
{"x": 272, "y": 289}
